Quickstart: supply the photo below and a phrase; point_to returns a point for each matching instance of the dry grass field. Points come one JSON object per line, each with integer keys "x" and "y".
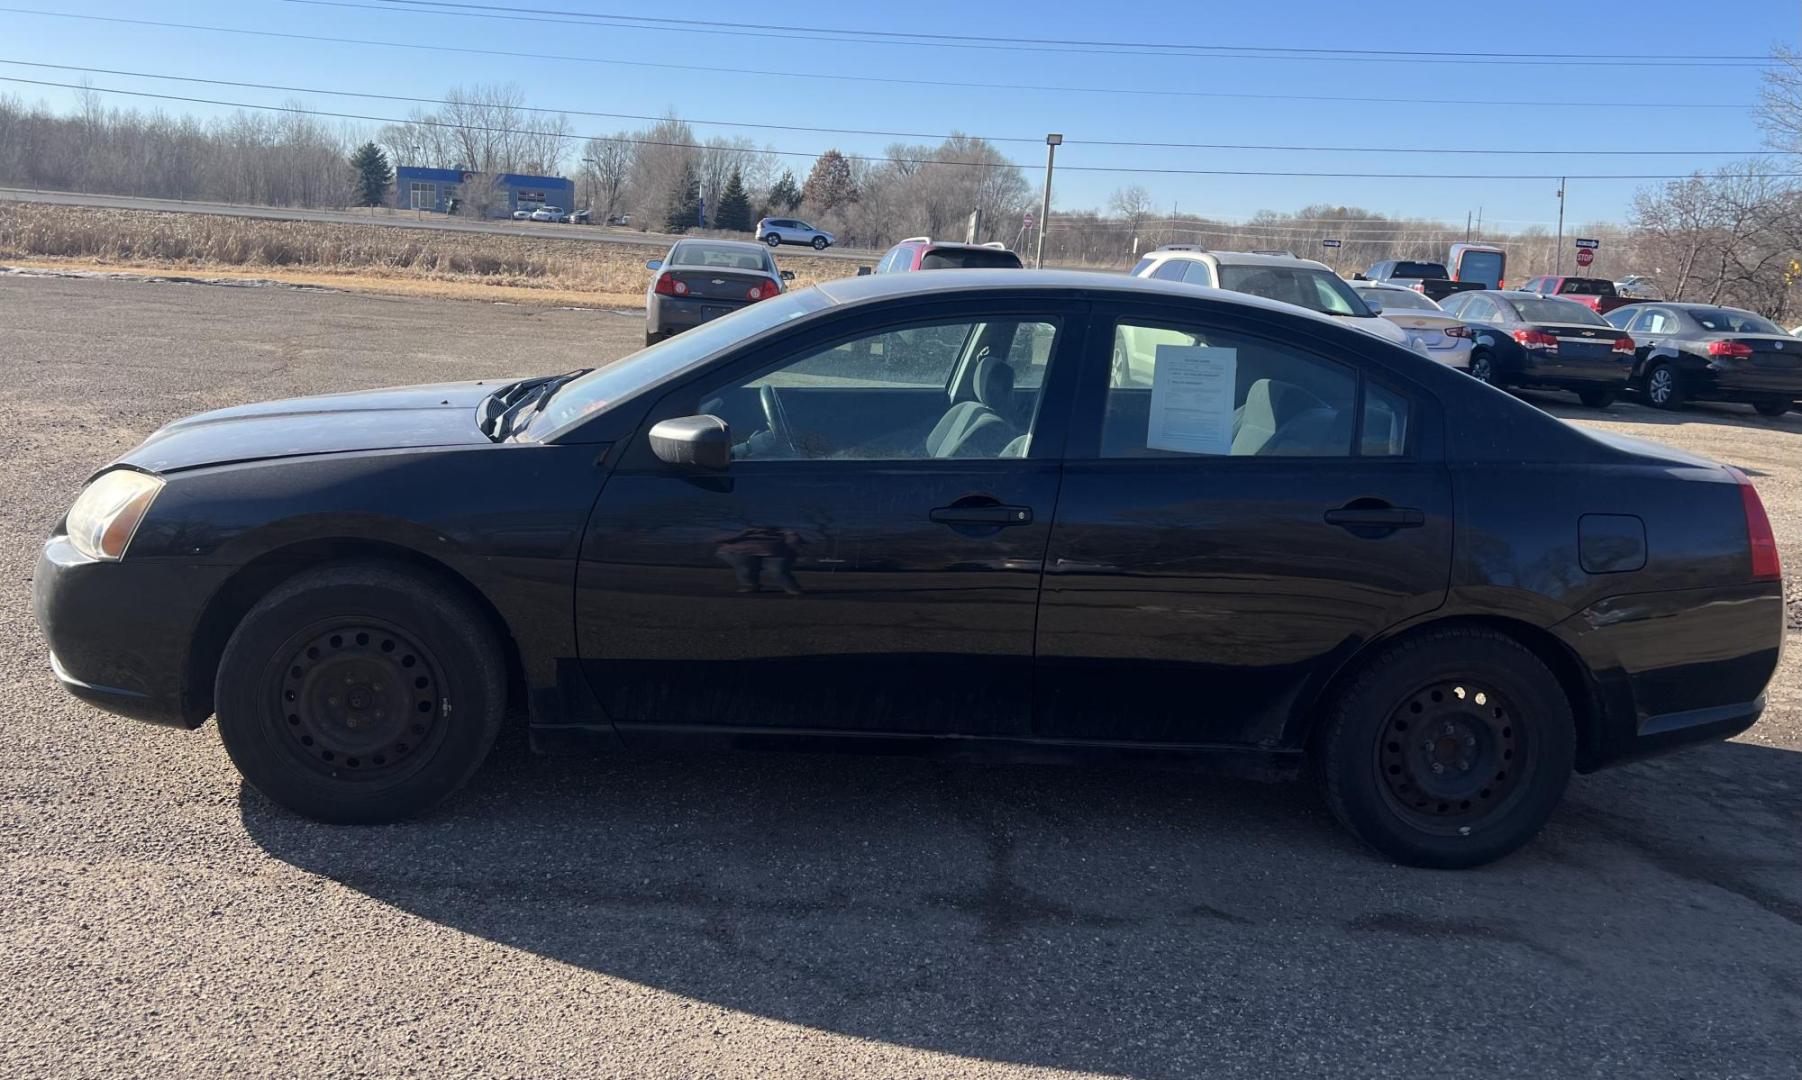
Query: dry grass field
{"x": 370, "y": 258}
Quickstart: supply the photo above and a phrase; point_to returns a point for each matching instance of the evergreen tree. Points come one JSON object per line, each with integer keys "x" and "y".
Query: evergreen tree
{"x": 734, "y": 211}
{"x": 829, "y": 185}
{"x": 373, "y": 174}
{"x": 685, "y": 208}
{"x": 784, "y": 195}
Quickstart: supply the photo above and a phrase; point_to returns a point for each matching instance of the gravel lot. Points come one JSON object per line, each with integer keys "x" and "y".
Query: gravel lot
{"x": 729, "y": 916}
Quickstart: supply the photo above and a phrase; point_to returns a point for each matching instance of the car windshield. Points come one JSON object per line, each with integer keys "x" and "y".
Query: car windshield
{"x": 1731, "y": 321}
{"x": 1392, "y": 299}
{"x": 1545, "y": 309}
{"x": 1316, "y": 290}
{"x": 969, "y": 259}
{"x": 1419, "y": 270}
{"x": 722, "y": 256}
{"x": 604, "y": 386}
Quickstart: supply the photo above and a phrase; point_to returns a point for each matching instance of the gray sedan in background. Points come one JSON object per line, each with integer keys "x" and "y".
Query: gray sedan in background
{"x": 703, "y": 279}
{"x": 1431, "y": 330}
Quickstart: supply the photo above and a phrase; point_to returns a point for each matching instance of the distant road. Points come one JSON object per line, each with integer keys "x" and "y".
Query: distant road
{"x": 406, "y": 219}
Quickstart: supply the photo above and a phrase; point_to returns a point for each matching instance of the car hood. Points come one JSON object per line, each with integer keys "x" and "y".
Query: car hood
{"x": 399, "y": 418}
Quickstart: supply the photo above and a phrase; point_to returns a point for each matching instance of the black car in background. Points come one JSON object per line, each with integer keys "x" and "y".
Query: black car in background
{"x": 1704, "y": 352}
{"x": 703, "y": 279}
{"x": 1527, "y": 340}
{"x": 920, "y": 512}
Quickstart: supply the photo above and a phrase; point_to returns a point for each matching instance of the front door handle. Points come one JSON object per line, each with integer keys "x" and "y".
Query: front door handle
{"x": 993, "y": 514}
{"x": 1376, "y": 517}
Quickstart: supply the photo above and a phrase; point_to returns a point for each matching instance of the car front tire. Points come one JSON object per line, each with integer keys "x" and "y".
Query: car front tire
{"x": 360, "y": 694}
{"x": 820, "y": 243}
{"x": 1772, "y": 409}
{"x": 1482, "y": 368}
{"x": 1449, "y": 749}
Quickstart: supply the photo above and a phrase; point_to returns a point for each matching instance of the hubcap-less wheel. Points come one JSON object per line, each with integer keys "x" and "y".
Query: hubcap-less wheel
{"x": 1452, "y": 755}
{"x": 357, "y": 701}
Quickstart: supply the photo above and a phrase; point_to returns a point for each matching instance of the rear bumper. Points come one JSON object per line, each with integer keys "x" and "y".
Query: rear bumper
{"x": 1676, "y": 668}
{"x": 673, "y": 314}
{"x": 1747, "y": 385}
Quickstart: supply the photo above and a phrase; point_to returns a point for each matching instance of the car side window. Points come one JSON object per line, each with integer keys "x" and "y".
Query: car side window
{"x": 1170, "y": 270}
{"x": 1660, "y": 321}
{"x": 959, "y": 389}
{"x": 1385, "y": 430}
{"x": 1199, "y": 273}
{"x": 1184, "y": 392}
{"x": 1454, "y": 304}
{"x": 1479, "y": 309}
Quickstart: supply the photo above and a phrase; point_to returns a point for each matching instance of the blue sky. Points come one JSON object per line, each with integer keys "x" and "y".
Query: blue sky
{"x": 1664, "y": 115}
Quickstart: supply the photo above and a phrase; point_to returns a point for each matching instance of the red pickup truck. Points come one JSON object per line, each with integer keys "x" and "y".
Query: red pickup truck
{"x": 1595, "y": 293}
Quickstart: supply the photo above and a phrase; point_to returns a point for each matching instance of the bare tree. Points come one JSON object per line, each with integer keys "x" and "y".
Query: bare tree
{"x": 609, "y": 164}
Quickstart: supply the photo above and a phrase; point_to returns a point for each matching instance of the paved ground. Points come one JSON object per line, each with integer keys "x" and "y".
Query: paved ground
{"x": 728, "y": 916}
{"x": 383, "y": 216}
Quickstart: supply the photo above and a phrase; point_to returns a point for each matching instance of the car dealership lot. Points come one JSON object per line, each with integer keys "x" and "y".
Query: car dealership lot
{"x": 729, "y": 915}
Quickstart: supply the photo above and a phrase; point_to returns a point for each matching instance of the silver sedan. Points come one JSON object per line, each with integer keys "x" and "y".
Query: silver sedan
{"x": 1431, "y": 331}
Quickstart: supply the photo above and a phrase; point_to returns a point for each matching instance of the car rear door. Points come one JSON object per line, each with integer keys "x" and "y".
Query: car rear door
{"x": 1229, "y": 535}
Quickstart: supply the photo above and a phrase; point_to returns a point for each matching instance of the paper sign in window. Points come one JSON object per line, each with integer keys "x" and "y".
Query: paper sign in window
{"x": 1192, "y": 399}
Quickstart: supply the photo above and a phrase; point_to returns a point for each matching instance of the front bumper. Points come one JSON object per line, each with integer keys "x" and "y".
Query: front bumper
{"x": 120, "y": 632}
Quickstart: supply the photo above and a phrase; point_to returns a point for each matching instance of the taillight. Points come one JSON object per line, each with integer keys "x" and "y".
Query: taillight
{"x": 670, "y": 285}
{"x": 1536, "y": 339}
{"x": 1460, "y": 331}
{"x": 763, "y": 290}
{"x": 1765, "y": 564}
{"x": 1624, "y": 344}
{"x": 1500, "y": 285}
{"x": 1419, "y": 286}
{"x": 1735, "y": 349}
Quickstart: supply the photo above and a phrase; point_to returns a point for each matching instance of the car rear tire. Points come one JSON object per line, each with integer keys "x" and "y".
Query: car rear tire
{"x": 651, "y": 338}
{"x": 1772, "y": 409}
{"x": 819, "y": 243}
{"x": 360, "y": 694}
{"x": 1596, "y": 399}
{"x": 1482, "y": 368}
{"x": 1662, "y": 388}
{"x": 773, "y": 240}
{"x": 1449, "y": 749}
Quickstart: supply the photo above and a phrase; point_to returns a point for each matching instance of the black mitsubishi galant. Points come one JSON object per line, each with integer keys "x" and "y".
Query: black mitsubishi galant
{"x": 914, "y": 511}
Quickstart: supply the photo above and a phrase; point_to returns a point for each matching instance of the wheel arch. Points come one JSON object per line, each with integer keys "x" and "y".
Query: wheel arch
{"x": 228, "y": 605}
{"x": 1579, "y": 685}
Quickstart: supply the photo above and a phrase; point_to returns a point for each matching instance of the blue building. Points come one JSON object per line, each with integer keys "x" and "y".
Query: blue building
{"x": 417, "y": 188}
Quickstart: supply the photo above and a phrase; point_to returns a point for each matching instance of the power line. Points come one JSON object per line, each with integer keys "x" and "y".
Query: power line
{"x": 1054, "y": 45}
{"x": 1031, "y": 140}
{"x": 888, "y": 80}
{"x": 1130, "y": 170}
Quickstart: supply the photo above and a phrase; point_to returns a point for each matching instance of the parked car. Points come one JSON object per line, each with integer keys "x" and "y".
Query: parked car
{"x": 1545, "y": 342}
{"x": 620, "y": 219}
{"x": 581, "y": 217}
{"x": 1704, "y": 352}
{"x": 1430, "y": 330}
{"x": 925, "y": 253}
{"x": 550, "y": 213}
{"x": 701, "y": 280}
{"x": 1638, "y": 287}
{"x": 1302, "y": 282}
{"x": 778, "y": 231}
{"x": 524, "y": 213}
{"x": 840, "y": 519}
{"x": 1429, "y": 278}
{"x": 1596, "y": 294}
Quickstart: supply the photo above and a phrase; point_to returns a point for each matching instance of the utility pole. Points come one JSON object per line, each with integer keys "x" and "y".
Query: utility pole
{"x": 1051, "y": 145}
{"x": 1467, "y": 226}
{"x": 1558, "y": 255}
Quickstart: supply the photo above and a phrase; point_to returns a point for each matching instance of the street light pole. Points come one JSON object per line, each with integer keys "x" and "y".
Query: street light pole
{"x": 1051, "y": 144}
{"x": 1559, "y": 256}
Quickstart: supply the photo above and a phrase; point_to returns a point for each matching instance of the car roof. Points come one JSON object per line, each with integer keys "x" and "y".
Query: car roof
{"x": 872, "y": 287}
{"x": 1241, "y": 258}
{"x": 1383, "y": 285}
{"x": 739, "y": 245}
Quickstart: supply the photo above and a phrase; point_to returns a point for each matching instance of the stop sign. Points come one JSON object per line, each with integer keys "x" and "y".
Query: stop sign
{"x": 1585, "y": 256}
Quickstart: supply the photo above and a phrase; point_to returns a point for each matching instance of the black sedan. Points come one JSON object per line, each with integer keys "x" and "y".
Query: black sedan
{"x": 915, "y": 512}
{"x": 1528, "y": 340}
{"x": 703, "y": 279}
{"x": 1704, "y": 352}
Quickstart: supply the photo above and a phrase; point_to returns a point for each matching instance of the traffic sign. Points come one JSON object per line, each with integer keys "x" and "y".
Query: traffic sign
{"x": 1329, "y": 243}
{"x": 1585, "y": 256}
{"x": 1583, "y": 243}
{"x": 1028, "y": 219}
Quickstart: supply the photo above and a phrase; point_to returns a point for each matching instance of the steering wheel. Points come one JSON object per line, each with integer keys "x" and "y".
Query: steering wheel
{"x": 776, "y": 416}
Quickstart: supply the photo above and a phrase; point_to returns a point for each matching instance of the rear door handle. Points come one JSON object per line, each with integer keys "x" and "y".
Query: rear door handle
{"x": 1376, "y": 517}
{"x": 996, "y": 515}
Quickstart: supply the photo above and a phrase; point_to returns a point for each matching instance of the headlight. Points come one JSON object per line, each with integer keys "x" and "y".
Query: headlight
{"x": 107, "y": 512}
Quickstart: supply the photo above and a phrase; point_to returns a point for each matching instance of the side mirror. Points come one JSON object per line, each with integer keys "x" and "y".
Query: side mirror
{"x": 1375, "y": 305}
{"x": 654, "y": 264}
{"x": 863, "y": 271}
{"x": 703, "y": 442}
{"x": 788, "y": 275}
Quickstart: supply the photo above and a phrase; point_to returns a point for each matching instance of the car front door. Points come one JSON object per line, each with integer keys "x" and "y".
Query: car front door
{"x": 1229, "y": 535}
{"x": 869, "y": 561}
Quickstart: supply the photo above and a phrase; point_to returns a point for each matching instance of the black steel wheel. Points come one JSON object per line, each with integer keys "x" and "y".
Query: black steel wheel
{"x": 1449, "y": 748}
{"x": 360, "y": 693}
{"x": 1482, "y": 368}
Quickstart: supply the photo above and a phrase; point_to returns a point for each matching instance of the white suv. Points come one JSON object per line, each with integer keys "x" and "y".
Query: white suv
{"x": 1302, "y": 282}
{"x": 776, "y": 231}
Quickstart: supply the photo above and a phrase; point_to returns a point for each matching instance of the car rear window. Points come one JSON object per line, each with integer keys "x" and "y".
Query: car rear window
{"x": 1586, "y": 286}
{"x": 1729, "y": 321}
{"x": 1546, "y": 309}
{"x": 1316, "y": 290}
{"x": 720, "y": 256}
{"x": 969, "y": 259}
{"x": 1419, "y": 270}
{"x": 1396, "y": 299}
